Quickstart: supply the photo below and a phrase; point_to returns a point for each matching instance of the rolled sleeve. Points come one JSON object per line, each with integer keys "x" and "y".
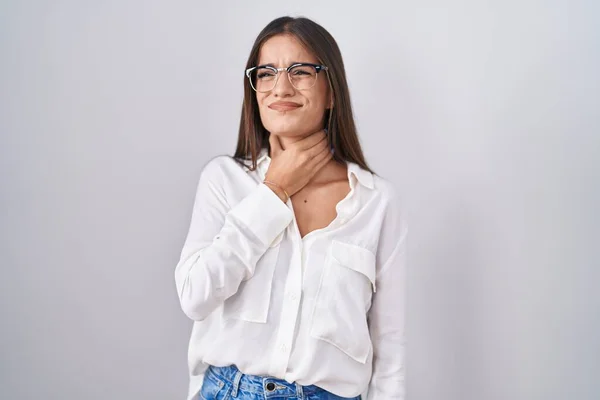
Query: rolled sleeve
{"x": 273, "y": 218}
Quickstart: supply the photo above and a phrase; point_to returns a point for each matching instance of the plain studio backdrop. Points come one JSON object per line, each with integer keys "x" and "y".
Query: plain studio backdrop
{"x": 486, "y": 116}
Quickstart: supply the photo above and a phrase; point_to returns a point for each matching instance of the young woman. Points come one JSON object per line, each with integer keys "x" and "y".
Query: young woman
{"x": 294, "y": 265}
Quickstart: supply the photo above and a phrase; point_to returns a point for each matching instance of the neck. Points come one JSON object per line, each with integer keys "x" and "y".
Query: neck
{"x": 287, "y": 141}
{"x": 329, "y": 172}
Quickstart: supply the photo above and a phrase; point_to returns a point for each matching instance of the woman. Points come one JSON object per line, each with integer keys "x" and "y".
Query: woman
{"x": 294, "y": 265}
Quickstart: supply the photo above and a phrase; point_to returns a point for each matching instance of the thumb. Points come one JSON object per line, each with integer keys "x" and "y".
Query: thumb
{"x": 275, "y": 145}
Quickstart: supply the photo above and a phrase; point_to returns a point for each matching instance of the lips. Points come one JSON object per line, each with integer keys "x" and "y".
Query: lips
{"x": 284, "y": 106}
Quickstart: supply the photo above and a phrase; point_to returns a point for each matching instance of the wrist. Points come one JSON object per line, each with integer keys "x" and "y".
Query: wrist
{"x": 278, "y": 190}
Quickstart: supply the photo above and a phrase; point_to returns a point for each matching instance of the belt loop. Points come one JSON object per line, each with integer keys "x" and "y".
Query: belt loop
{"x": 299, "y": 393}
{"x": 236, "y": 383}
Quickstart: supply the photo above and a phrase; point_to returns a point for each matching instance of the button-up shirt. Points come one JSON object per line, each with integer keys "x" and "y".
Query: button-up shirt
{"x": 326, "y": 309}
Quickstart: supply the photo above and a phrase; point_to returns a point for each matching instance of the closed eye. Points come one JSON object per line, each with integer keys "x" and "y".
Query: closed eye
{"x": 301, "y": 72}
{"x": 261, "y": 75}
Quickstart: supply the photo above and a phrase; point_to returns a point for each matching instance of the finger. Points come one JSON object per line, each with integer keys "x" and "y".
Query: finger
{"x": 275, "y": 145}
{"x": 326, "y": 157}
{"x": 310, "y": 140}
{"x": 318, "y": 148}
{"x": 320, "y": 159}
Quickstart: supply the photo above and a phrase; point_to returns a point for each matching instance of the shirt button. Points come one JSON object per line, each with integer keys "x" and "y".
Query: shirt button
{"x": 293, "y": 296}
{"x": 283, "y": 348}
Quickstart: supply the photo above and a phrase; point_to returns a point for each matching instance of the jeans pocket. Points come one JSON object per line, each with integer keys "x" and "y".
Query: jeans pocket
{"x": 213, "y": 388}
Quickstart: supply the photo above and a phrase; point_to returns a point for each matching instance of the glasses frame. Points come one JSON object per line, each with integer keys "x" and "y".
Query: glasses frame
{"x": 318, "y": 68}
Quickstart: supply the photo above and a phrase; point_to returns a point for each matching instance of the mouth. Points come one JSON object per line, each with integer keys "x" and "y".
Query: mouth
{"x": 284, "y": 106}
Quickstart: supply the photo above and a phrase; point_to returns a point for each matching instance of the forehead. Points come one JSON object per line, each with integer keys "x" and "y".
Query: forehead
{"x": 282, "y": 50}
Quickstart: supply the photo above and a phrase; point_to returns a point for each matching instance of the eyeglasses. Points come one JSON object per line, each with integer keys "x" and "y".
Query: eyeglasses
{"x": 302, "y": 76}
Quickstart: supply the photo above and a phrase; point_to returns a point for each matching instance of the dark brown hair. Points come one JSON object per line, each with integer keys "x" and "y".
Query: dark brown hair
{"x": 339, "y": 120}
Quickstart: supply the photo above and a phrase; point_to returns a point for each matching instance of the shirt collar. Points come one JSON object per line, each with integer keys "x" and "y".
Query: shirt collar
{"x": 363, "y": 176}
{"x": 262, "y": 156}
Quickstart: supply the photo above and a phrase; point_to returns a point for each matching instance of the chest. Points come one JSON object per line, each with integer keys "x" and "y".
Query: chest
{"x": 315, "y": 206}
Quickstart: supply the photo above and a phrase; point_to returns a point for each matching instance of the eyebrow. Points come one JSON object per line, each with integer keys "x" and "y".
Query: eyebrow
{"x": 292, "y": 63}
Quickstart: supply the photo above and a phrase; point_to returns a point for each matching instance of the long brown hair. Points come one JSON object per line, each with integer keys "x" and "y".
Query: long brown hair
{"x": 341, "y": 129}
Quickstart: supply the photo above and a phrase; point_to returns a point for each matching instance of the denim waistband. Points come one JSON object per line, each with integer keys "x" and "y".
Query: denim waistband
{"x": 262, "y": 385}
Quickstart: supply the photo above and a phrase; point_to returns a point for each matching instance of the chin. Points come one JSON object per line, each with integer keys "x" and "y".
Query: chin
{"x": 291, "y": 128}
{"x": 287, "y": 130}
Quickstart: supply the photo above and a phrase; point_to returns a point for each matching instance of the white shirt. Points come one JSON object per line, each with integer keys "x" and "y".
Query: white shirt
{"x": 326, "y": 309}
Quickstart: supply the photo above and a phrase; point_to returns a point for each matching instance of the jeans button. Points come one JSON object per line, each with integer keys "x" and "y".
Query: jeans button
{"x": 270, "y": 386}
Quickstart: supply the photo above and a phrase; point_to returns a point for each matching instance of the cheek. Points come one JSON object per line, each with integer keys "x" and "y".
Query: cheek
{"x": 260, "y": 99}
{"x": 262, "y": 103}
{"x": 317, "y": 104}
{"x": 320, "y": 97}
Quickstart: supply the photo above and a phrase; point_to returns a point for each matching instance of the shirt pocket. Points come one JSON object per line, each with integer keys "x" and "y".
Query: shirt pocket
{"x": 251, "y": 301}
{"x": 343, "y": 299}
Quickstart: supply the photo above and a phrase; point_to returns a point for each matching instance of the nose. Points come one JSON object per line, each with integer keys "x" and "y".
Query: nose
{"x": 283, "y": 87}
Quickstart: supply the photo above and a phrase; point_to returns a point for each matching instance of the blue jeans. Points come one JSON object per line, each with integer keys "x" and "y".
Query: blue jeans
{"x": 223, "y": 383}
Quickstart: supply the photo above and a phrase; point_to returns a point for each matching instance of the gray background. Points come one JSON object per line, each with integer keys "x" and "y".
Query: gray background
{"x": 485, "y": 114}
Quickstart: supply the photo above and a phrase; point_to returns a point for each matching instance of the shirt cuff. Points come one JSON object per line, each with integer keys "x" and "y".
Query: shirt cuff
{"x": 263, "y": 213}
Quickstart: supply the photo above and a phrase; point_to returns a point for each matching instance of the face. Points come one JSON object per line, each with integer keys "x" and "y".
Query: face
{"x": 285, "y": 110}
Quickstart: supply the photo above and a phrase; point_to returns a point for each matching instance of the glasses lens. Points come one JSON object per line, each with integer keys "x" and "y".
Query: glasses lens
{"x": 303, "y": 76}
{"x": 263, "y": 79}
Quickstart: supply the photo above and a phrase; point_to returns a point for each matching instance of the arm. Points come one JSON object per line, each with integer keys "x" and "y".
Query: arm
{"x": 223, "y": 244}
{"x": 387, "y": 313}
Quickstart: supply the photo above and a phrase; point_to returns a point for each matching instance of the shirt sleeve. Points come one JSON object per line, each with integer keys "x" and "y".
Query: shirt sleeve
{"x": 386, "y": 316}
{"x": 224, "y": 243}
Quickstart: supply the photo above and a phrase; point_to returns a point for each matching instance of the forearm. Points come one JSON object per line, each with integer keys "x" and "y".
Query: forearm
{"x": 211, "y": 270}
